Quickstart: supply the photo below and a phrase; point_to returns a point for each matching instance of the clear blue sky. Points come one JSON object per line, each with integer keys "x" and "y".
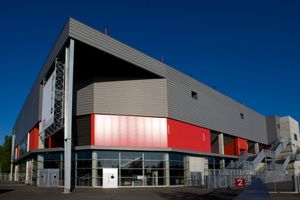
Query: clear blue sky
{"x": 248, "y": 50}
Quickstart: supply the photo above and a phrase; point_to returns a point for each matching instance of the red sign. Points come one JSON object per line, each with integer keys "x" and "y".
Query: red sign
{"x": 239, "y": 182}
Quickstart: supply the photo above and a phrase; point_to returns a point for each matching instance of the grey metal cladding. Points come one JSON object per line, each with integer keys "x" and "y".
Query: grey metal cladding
{"x": 146, "y": 97}
{"x": 212, "y": 110}
{"x": 84, "y": 100}
{"x": 29, "y": 114}
{"x": 31, "y": 110}
{"x": 101, "y": 41}
{"x": 135, "y": 97}
{"x": 272, "y": 128}
{"x": 82, "y": 130}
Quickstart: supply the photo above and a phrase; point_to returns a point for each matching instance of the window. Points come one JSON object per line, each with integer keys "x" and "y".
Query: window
{"x": 177, "y": 169}
{"x": 295, "y": 136}
{"x": 194, "y": 95}
{"x": 278, "y": 126}
{"x": 242, "y": 116}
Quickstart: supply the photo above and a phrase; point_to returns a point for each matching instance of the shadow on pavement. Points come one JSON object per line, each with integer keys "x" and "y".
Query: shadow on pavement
{"x": 5, "y": 190}
{"x": 256, "y": 191}
{"x": 214, "y": 195}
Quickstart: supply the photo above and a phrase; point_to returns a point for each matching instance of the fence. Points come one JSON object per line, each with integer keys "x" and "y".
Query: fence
{"x": 221, "y": 178}
{"x": 271, "y": 176}
{"x": 21, "y": 177}
{"x": 5, "y": 177}
{"x": 276, "y": 180}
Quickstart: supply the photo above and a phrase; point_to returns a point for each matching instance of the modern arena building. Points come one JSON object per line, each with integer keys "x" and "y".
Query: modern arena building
{"x": 102, "y": 114}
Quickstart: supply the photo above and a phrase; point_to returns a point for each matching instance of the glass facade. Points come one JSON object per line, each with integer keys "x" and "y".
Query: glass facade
{"x": 23, "y": 146}
{"x": 155, "y": 169}
{"x": 177, "y": 168}
{"x": 83, "y": 168}
{"x": 54, "y": 160}
{"x": 134, "y": 168}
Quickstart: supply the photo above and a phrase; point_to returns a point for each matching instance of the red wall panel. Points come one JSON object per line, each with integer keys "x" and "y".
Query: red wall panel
{"x": 188, "y": 137}
{"x": 34, "y": 139}
{"x": 242, "y": 145}
{"x": 17, "y": 152}
{"x": 129, "y": 131}
{"x": 230, "y": 148}
{"x": 92, "y": 129}
{"x": 236, "y": 146}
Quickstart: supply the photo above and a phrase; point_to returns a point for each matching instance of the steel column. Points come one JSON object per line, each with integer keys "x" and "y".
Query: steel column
{"x": 69, "y": 68}
{"x": 221, "y": 143}
{"x": 12, "y": 157}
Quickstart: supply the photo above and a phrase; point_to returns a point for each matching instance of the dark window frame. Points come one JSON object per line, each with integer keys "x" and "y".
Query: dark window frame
{"x": 194, "y": 95}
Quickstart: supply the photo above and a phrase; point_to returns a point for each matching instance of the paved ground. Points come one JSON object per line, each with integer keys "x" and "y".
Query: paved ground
{"x": 23, "y": 192}
{"x": 285, "y": 196}
{"x": 9, "y": 191}
{"x": 257, "y": 190}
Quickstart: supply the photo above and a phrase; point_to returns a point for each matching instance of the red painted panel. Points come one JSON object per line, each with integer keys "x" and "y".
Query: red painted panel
{"x": 188, "y": 137}
{"x": 17, "y": 152}
{"x": 129, "y": 131}
{"x": 242, "y": 145}
{"x": 34, "y": 139}
{"x": 230, "y": 148}
{"x": 92, "y": 129}
{"x": 236, "y": 146}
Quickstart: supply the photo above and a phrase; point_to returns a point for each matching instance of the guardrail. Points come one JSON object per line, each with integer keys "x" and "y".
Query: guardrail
{"x": 5, "y": 177}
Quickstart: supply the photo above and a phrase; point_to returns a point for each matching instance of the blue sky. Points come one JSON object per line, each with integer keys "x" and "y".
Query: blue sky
{"x": 248, "y": 50}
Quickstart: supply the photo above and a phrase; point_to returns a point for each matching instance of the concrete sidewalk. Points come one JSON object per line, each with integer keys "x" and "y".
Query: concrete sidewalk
{"x": 11, "y": 191}
{"x": 256, "y": 191}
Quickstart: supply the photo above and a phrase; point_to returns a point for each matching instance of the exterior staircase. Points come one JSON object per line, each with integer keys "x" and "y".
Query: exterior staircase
{"x": 251, "y": 163}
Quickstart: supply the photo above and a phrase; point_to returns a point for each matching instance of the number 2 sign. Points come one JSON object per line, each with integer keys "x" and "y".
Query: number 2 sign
{"x": 240, "y": 182}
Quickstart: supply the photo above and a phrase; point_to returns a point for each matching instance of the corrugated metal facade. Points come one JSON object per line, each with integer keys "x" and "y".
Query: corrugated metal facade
{"x": 134, "y": 97}
{"x": 32, "y": 110}
{"x": 166, "y": 97}
{"x": 212, "y": 109}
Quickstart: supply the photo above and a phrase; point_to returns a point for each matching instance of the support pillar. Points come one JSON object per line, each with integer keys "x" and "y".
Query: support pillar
{"x": 16, "y": 173}
{"x": 27, "y": 172}
{"x": 40, "y": 162}
{"x": 222, "y": 163}
{"x": 29, "y": 165}
{"x": 221, "y": 143}
{"x": 94, "y": 169}
{"x": 41, "y": 136}
{"x": 68, "y": 101}
{"x": 12, "y": 156}
{"x": 167, "y": 170}
{"x": 256, "y": 148}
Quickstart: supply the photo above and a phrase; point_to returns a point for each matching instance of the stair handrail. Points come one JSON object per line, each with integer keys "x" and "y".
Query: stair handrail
{"x": 258, "y": 158}
{"x": 282, "y": 145}
{"x": 286, "y": 162}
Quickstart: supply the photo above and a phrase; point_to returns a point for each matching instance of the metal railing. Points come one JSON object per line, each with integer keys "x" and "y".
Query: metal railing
{"x": 270, "y": 176}
{"x": 5, "y": 177}
{"x": 221, "y": 178}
